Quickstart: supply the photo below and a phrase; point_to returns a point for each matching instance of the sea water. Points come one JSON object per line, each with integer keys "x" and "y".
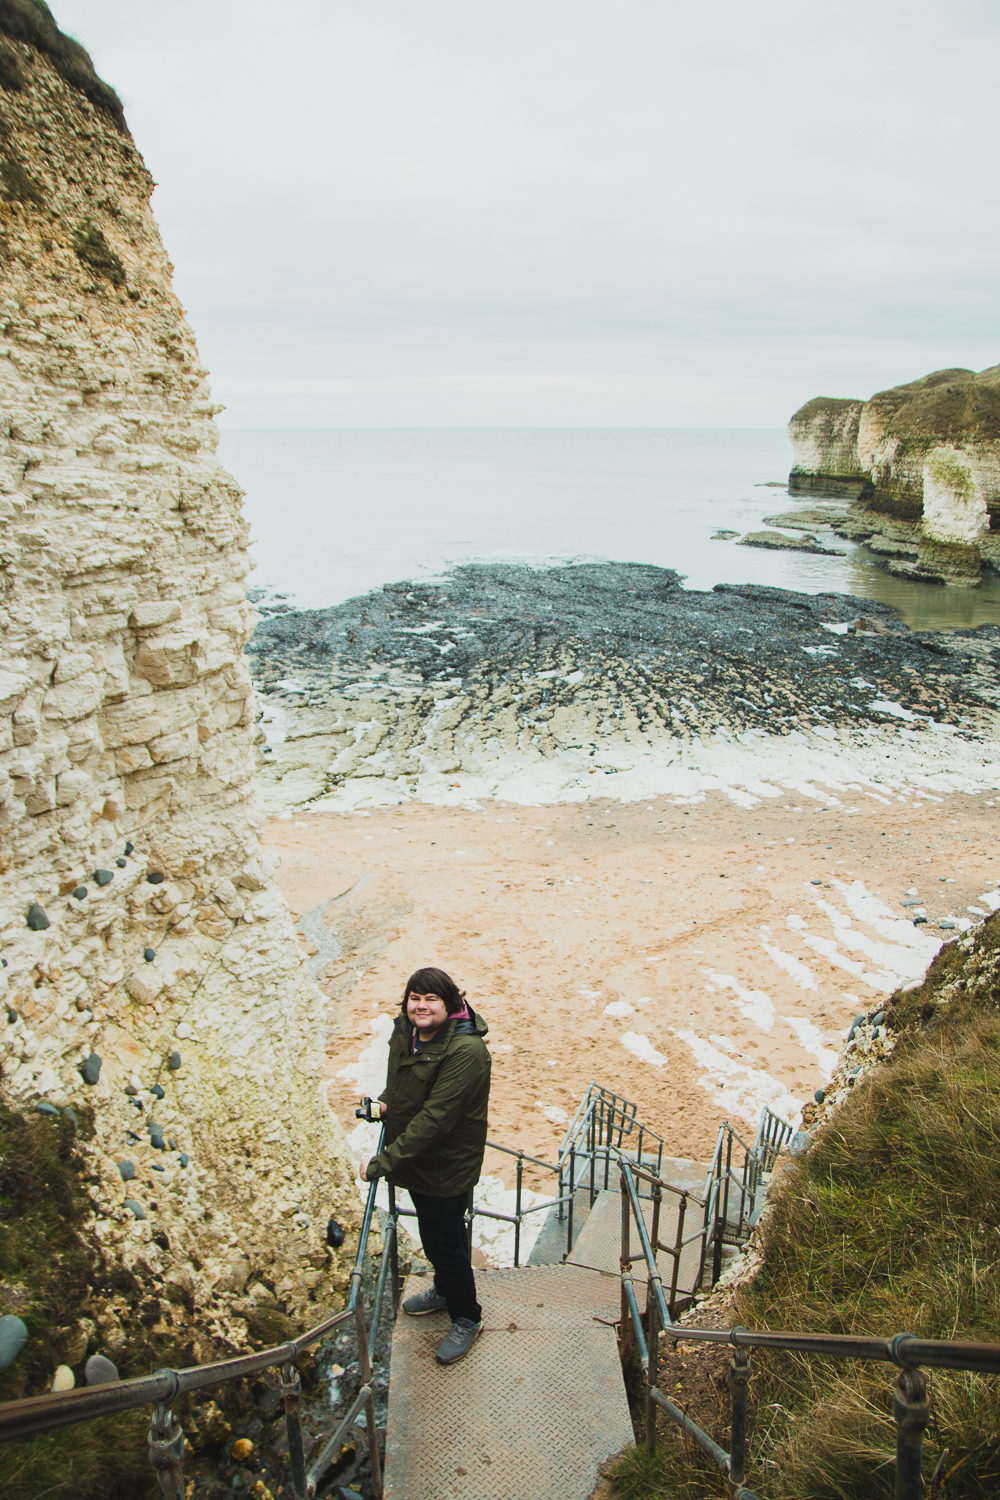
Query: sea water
{"x": 337, "y": 512}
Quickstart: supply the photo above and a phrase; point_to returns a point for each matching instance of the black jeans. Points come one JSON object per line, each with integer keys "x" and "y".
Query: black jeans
{"x": 446, "y": 1245}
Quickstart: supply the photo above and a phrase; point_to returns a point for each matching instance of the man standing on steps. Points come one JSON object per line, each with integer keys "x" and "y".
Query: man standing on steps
{"x": 434, "y": 1106}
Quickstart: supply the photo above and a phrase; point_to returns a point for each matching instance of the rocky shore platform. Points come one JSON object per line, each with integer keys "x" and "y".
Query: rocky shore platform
{"x": 610, "y": 679}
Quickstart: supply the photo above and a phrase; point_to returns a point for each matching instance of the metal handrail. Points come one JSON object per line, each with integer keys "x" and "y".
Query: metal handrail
{"x": 600, "y": 1116}
{"x": 34, "y": 1414}
{"x": 904, "y": 1350}
{"x": 772, "y": 1133}
{"x": 725, "y": 1185}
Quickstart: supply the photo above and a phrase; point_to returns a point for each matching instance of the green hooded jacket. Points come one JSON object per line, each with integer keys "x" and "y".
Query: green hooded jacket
{"x": 434, "y": 1107}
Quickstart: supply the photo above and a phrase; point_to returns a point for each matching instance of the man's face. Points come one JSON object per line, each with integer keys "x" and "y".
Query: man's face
{"x": 427, "y": 1012}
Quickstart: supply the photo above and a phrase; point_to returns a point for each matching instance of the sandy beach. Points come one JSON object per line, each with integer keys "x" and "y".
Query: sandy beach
{"x": 701, "y": 959}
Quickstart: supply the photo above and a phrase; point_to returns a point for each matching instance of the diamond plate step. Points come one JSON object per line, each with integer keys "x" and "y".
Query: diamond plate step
{"x": 599, "y": 1245}
{"x": 532, "y": 1411}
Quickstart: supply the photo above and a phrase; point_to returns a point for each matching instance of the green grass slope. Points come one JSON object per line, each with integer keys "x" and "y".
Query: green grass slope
{"x": 890, "y": 1224}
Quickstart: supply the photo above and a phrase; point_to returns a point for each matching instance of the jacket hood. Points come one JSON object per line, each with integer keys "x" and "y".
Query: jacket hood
{"x": 474, "y": 1026}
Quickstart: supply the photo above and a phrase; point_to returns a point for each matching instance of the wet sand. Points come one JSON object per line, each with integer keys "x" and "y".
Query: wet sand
{"x": 700, "y": 958}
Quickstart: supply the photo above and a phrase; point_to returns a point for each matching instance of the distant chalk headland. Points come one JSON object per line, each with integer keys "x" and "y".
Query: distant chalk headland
{"x": 919, "y": 465}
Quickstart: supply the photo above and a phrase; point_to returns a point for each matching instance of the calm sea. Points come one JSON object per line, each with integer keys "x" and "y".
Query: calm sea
{"x": 338, "y": 511}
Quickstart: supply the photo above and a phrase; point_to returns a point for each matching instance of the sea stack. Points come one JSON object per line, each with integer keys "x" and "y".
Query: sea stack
{"x": 921, "y": 463}
{"x": 128, "y": 749}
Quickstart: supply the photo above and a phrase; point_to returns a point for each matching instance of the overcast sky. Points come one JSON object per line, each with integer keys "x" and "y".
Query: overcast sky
{"x": 633, "y": 212}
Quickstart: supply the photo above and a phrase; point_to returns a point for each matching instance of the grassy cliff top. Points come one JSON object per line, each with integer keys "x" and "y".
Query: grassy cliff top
{"x": 826, "y": 406}
{"x": 31, "y": 22}
{"x": 949, "y": 406}
{"x": 899, "y": 393}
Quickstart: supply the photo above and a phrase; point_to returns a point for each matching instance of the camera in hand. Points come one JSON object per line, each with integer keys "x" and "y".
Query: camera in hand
{"x": 365, "y": 1112}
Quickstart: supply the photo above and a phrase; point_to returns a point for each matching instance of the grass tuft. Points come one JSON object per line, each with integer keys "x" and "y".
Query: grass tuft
{"x": 32, "y": 22}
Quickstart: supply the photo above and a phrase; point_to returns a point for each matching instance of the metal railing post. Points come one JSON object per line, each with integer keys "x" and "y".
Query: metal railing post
{"x": 596, "y": 1138}
{"x": 653, "y": 1345}
{"x": 910, "y": 1408}
{"x": 572, "y": 1196}
{"x": 678, "y": 1252}
{"x": 394, "y": 1251}
{"x": 739, "y": 1379}
{"x": 626, "y": 1263}
{"x": 517, "y": 1211}
{"x": 654, "y": 1232}
{"x": 374, "y": 1457}
{"x": 166, "y": 1452}
{"x": 291, "y": 1390}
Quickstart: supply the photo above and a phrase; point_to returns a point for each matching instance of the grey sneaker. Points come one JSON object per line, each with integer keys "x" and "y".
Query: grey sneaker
{"x": 425, "y": 1302}
{"x": 456, "y": 1344}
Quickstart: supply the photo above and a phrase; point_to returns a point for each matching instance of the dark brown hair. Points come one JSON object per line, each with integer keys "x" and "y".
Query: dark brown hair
{"x": 435, "y": 982}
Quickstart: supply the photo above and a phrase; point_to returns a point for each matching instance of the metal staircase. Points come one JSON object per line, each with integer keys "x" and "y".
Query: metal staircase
{"x": 539, "y": 1402}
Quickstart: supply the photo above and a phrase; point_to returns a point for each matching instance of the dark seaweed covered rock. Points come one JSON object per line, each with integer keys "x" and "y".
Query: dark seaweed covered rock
{"x": 519, "y": 648}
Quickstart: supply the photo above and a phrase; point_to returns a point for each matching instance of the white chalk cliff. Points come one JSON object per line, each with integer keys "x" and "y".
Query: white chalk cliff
{"x": 129, "y": 816}
{"x": 922, "y": 463}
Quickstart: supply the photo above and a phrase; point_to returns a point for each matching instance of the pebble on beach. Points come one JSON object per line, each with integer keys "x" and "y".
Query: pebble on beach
{"x": 64, "y": 1379}
{"x": 90, "y": 1069}
{"x": 334, "y": 1234}
{"x": 135, "y": 1209}
{"x": 174, "y": 1061}
{"x": 121, "y": 863}
{"x": 36, "y": 918}
{"x": 100, "y": 1371}
{"x": 79, "y": 893}
{"x": 149, "y": 954}
{"x": 13, "y": 1337}
{"x": 104, "y": 877}
{"x": 127, "y": 1170}
{"x": 49, "y": 1110}
{"x": 155, "y": 878}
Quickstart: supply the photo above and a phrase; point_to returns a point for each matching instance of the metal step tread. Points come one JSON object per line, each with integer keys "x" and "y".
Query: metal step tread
{"x": 600, "y": 1242}
{"x": 532, "y": 1411}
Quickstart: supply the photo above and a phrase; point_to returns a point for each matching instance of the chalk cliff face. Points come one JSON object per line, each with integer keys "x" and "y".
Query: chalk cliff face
{"x": 824, "y": 436}
{"x": 927, "y": 455}
{"x": 148, "y": 957}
